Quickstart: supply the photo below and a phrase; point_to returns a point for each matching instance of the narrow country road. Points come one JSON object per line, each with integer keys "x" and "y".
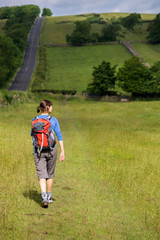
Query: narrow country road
{"x": 23, "y": 77}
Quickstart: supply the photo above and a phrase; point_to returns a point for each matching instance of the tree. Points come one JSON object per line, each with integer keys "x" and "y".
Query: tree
{"x": 154, "y": 30}
{"x": 103, "y": 78}
{"x": 13, "y": 44}
{"x": 31, "y": 11}
{"x": 131, "y": 21}
{"x": 10, "y": 59}
{"x": 135, "y": 77}
{"x": 109, "y": 33}
{"x": 7, "y": 13}
{"x": 19, "y": 37}
{"x": 18, "y": 27}
{"x": 47, "y": 12}
{"x": 81, "y": 34}
{"x": 155, "y": 69}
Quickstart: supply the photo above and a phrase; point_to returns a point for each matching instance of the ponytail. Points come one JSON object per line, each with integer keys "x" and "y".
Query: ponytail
{"x": 38, "y": 109}
{"x": 44, "y": 106}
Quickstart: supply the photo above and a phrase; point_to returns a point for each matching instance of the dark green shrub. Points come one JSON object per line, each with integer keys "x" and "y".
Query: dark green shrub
{"x": 103, "y": 79}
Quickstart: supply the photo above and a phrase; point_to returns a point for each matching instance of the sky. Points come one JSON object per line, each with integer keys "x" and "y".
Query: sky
{"x": 72, "y": 7}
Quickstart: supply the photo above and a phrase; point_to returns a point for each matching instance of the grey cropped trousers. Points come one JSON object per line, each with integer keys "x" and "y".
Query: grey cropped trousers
{"x": 46, "y": 163}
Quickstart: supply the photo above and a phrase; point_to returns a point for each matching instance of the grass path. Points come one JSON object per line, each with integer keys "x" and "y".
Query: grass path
{"x": 87, "y": 205}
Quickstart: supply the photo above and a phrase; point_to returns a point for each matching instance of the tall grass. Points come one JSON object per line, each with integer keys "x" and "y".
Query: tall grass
{"x": 108, "y": 186}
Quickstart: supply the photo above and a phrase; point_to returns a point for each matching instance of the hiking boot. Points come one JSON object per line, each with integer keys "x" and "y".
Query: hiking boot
{"x": 45, "y": 204}
{"x": 49, "y": 197}
{"x": 44, "y": 200}
{"x": 50, "y": 200}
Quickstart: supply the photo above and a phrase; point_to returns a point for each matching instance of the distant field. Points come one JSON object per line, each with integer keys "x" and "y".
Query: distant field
{"x": 71, "y": 68}
{"x": 149, "y": 52}
{"x": 56, "y": 28}
{"x": 2, "y": 22}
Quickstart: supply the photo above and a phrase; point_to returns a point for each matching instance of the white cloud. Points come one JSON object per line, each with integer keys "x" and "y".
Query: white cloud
{"x": 68, "y": 7}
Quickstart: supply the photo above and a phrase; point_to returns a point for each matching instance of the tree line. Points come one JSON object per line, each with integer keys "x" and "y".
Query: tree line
{"x": 133, "y": 77}
{"x": 12, "y": 45}
{"x": 111, "y": 31}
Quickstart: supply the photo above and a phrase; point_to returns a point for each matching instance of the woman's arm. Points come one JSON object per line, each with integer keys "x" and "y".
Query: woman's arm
{"x": 56, "y": 128}
{"x": 61, "y": 157}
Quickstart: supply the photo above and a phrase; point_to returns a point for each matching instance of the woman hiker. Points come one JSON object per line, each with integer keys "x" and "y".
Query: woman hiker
{"x": 45, "y": 152}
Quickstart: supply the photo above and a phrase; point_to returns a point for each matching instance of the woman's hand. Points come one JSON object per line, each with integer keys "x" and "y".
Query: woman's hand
{"x": 61, "y": 157}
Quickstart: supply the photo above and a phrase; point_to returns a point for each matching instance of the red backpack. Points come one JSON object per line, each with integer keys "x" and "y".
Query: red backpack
{"x": 43, "y": 135}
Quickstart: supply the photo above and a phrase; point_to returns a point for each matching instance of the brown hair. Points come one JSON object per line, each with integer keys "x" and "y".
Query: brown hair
{"x": 44, "y": 105}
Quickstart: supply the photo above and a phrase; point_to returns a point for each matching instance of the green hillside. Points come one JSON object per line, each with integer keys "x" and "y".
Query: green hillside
{"x": 56, "y": 28}
{"x": 70, "y": 68}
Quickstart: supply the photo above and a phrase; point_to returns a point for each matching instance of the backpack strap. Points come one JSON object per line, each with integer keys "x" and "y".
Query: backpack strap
{"x": 41, "y": 143}
{"x": 49, "y": 117}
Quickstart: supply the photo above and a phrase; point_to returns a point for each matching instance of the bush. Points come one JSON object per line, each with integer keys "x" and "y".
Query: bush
{"x": 81, "y": 34}
{"x": 64, "y": 92}
{"x": 136, "y": 78}
{"x": 103, "y": 78}
{"x": 131, "y": 21}
{"x": 46, "y": 12}
{"x": 109, "y": 33}
{"x": 10, "y": 59}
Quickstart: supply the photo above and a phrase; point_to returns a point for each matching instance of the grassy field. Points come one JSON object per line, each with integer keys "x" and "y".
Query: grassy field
{"x": 149, "y": 52}
{"x": 71, "y": 68}
{"x": 2, "y": 22}
{"x": 108, "y": 186}
{"x": 56, "y": 28}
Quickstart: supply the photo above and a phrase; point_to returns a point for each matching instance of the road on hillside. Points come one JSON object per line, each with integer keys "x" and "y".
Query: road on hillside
{"x": 23, "y": 77}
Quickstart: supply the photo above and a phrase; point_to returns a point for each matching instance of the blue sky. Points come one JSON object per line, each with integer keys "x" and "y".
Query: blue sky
{"x": 71, "y": 7}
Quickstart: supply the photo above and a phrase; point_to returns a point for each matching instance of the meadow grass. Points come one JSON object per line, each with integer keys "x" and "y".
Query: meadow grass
{"x": 108, "y": 186}
{"x": 2, "y": 23}
{"x": 70, "y": 68}
{"x": 149, "y": 52}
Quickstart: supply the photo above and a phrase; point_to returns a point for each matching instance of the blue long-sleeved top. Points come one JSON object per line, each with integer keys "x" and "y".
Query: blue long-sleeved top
{"x": 54, "y": 125}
